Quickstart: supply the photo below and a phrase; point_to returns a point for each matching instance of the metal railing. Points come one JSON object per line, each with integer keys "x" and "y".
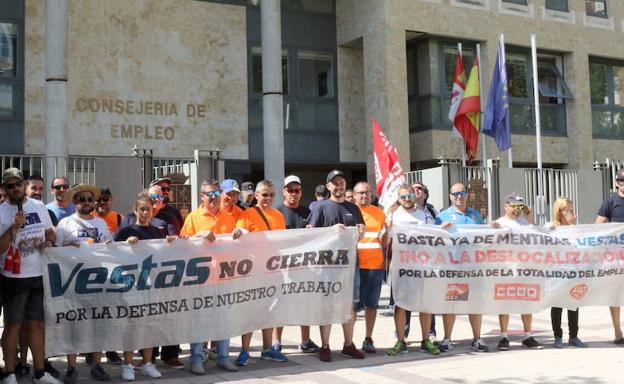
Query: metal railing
{"x": 166, "y": 166}
{"x": 413, "y": 177}
{"x": 609, "y": 169}
{"x": 77, "y": 169}
{"x": 544, "y": 186}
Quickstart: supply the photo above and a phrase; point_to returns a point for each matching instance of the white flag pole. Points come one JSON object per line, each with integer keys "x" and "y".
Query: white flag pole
{"x": 538, "y": 128}
{"x": 502, "y": 45}
{"x": 483, "y": 150}
{"x": 462, "y": 141}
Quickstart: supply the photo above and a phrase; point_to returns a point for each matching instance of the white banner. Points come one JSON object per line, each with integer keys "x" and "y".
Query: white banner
{"x": 125, "y": 297}
{"x": 477, "y": 269}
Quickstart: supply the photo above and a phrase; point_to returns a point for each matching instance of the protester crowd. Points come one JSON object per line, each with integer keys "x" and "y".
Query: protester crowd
{"x": 83, "y": 215}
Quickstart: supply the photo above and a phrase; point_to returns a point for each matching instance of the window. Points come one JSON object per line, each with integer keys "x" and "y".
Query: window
{"x": 11, "y": 83}
{"x": 256, "y": 70}
{"x": 521, "y": 2}
{"x": 313, "y": 6}
{"x": 606, "y": 81}
{"x": 557, "y": 5}
{"x": 552, "y": 88}
{"x": 316, "y": 75}
{"x": 596, "y": 8}
{"x": 431, "y": 68}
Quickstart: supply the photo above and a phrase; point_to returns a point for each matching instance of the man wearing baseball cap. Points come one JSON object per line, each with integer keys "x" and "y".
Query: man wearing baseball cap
{"x": 296, "y": 216}
{"x": 327, "y": 213}
{"x": 217, "y": 214}
{"x": 612, "y": 211}
{"x": 25, "y": 229}
{"x": 247, "y": 195}
{"x": 517, "y": 213}
{"x": 168, "y": 213}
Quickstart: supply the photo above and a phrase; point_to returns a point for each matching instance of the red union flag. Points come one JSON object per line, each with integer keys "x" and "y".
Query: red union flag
{"x": 388, "y": 172}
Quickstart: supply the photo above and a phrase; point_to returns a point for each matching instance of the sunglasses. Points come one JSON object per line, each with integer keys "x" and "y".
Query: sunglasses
{"x": 165, "y": 189}
{"x": 362, "y": 192}
{"x": 461, "y": 194}
{"x": 103, "y": 199}
{"x": 409, "y": 196}
{"x": 83, "y": 199}
{"x": 212, "y": 194}
{"x": 61, "y": 186}
{"x": 155, "y": 196}
{"x": 518, "y": 206}
{"x": 295, "y": 191}
{"x": 418, "y": 187}
{"x": 13, "y": 185}
{"x": 267, "y": 194}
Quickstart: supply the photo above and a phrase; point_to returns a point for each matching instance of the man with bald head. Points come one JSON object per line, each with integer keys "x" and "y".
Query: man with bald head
{"x": 460, "y": 214}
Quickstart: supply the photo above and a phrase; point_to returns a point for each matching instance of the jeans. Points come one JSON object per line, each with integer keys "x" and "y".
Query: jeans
{"x": 223, "y": 351}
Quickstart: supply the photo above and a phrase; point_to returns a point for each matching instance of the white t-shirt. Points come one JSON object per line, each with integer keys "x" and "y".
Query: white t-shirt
{"x": 509, "y": 223}
{"x": 418, "y": 216}
{"x": 73, "y": 229}
{"x": 30, "y": 239}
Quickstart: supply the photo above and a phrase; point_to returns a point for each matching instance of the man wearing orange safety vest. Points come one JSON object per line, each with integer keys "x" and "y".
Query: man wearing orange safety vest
{"x": 371, "y": 257}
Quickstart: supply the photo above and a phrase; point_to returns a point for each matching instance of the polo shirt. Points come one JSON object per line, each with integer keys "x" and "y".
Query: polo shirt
{"x": 456, "y": 217}
{"x": 201, "y": 220}
{"x": 251, "y": 220}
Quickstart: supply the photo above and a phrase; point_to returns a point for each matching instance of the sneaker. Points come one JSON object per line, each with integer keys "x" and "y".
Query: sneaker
{"x": 127, "y": 372}
{"x": 71, "y": 376}
{"x": 98, "y": 373}
{"x": 479, "y": 346}
{"x": 277, "y": 346}
{"x": 352, "y": 352}
{"x": 576, "y": 342}
{"x": 503, "y": 344}
{"x": 21, "y": 370}
{"x": 227, "y": 365}
{"x": 558, "y": 342}
{"x": 174, "y": 363}
{"x": 325, "y": 354}
{"x": 399, "y": 347}
{"x": 45, "y": 379}
{"x": 273, "y": 354}
{"x": 198, "y": 368}
{"x": 446, "y": 345}
{"x": 432, "y": 337}
{"x": 531, "y": 343}
{"x": 149, "y": 370}
{"x": 10, "y": 379}
{"x": 368, "y": 346}
{"x": 309, "y": 347}
{"x": 210, "y": 354}
{"x": 619, "y": 341}
{"x": 428, "y": 346}
{"x": 242, "y": 359}
{"x": 50, "y": 369}
{"x": 113, "y": 358}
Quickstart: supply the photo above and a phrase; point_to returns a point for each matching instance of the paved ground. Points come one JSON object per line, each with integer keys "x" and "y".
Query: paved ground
{"x": 601, "y": 363}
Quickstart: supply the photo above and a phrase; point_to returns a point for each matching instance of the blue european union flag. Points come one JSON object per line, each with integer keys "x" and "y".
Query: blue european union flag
{"x": 496, "y": 116}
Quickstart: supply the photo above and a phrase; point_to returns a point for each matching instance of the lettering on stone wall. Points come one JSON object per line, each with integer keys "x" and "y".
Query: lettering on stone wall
{"x": 126, "y": 130}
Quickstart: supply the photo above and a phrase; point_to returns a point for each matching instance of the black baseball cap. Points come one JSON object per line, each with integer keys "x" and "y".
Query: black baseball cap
{"x": 334, "y": 173}
{"x": 619, "y": 176}
{"x": 160, "y": 180}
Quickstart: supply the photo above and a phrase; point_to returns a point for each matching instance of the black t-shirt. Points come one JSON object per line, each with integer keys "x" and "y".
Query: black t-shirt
{"x": 613, "y": 208}
{"x": 172, "y": 216}
{"x": 161, "y": 225}
{"x": 295, "y": 217}
{"x": 328, "y": 212}
{"x": 143, "y": 233}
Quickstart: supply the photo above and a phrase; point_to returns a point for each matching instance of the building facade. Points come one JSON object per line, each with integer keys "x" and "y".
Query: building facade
{"x": 183, "y": 75}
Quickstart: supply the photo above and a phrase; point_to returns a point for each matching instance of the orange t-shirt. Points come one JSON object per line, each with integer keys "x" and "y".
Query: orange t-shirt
{"x": 251, "y": 220}
{"x": 370, "y": 252}
{"x": 201, "y": 220}
{"x": 111, "y": 218}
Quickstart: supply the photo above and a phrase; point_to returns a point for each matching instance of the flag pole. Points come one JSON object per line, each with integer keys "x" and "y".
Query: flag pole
{"x": 483, "y": 150}
{"x": 538, "y": 127}
{"x": 462, "y": 140}
{"x": 502, "y": 44}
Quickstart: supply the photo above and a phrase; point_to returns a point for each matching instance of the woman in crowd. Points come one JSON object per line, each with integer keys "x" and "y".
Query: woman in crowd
{"x": 140, "y": 230}
{"x": 563, "y": 214}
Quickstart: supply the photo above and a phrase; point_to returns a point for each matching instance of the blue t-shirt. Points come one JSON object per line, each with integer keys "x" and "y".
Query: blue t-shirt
{"x": 60, "y": 212}
{"x": 451, "y": 214}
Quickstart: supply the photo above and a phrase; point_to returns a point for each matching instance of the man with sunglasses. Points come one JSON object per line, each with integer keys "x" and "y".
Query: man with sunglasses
{"x": 612, "y": 211}
{"x": 83, "y": 228}
{"x": 216, "y": 215}
{"x": 411, "y": 210}
{"x": 26, "y": 229}
{"x": 460, "y": 214}
{"x": 157, "y": 197}
{"x": 168, "y": 213}
{"x": 296, "y": 216}
{"x": 103, "y": 210}
{"x": 517, "y": 214}
{"x": 62, "y": 205}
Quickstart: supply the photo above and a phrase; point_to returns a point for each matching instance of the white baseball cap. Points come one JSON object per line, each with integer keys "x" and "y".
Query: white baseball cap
{"x": 292, "y": 179}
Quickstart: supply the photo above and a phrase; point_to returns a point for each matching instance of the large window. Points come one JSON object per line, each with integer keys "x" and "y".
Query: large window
{"x": 10, "y": 83}
{"x": 606, "y": 81}
{"x": 552, "y": 92}
{"x": 596, "y": 8}
{"x": 557, "y": 5}
{"x": 315, "y": 74}
{"x": 256, "y": 70}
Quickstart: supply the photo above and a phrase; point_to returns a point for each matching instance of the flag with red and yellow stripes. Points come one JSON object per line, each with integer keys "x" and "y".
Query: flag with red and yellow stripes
{"x": 468, "y": 114}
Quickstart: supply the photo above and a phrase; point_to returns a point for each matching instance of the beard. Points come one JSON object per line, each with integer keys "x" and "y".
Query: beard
{"x": 86, "y": 209}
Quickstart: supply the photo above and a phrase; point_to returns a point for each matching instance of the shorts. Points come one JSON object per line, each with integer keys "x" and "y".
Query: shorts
{"x": 370, "y": 288}
{"x": 22, "y": 299}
